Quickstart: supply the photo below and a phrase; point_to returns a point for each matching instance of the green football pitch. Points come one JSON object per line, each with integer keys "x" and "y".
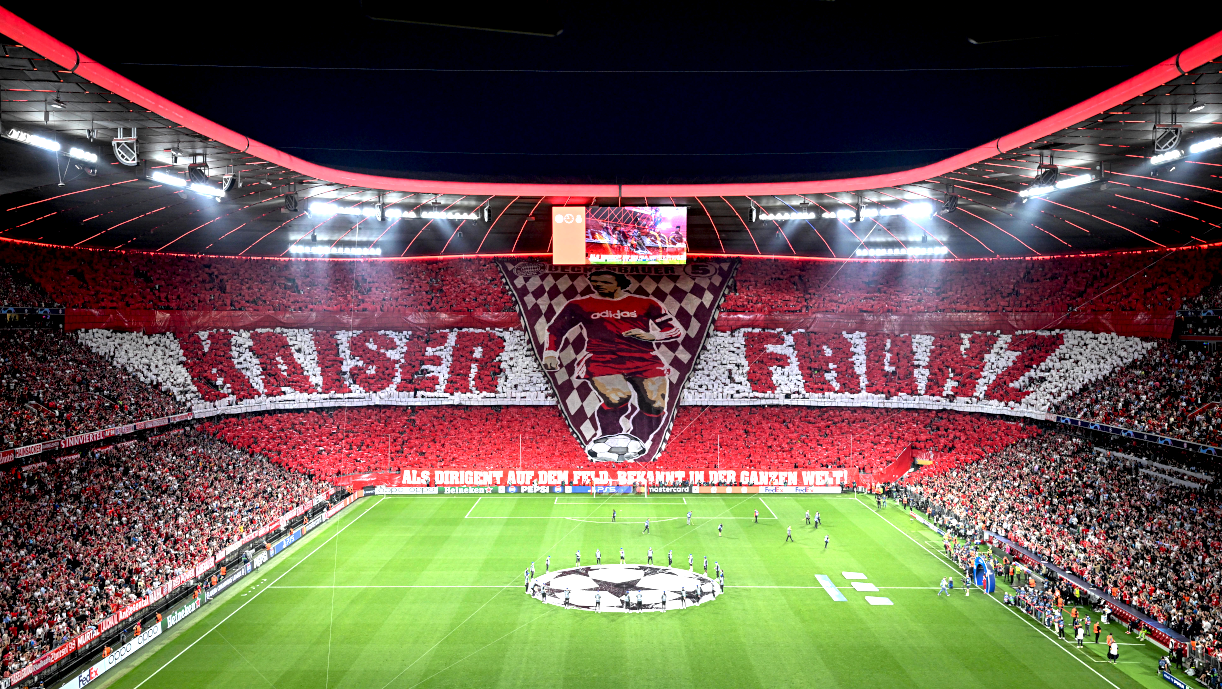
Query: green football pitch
{"x": 402, "y": 592}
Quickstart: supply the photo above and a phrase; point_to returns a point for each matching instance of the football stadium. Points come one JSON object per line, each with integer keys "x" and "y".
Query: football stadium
{"x": 548, "y": 347}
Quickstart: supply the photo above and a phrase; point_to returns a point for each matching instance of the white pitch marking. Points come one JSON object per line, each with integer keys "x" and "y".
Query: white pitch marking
{"x": 651, "y": 503}
{"x": 684, "y": 501}
{"x": 473, "y": 507}
{"x": 769, "y": 509}
{"x": 505, "y": 586}
{"x": 252, "y": 598}
{"x": 1019, "y": 616}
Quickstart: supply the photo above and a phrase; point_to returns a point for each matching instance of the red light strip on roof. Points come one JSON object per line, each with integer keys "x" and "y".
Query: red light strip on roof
{"x": 50, "y": 48}
{"x": 82, "y": 191}
{"x": 494, "y": 222}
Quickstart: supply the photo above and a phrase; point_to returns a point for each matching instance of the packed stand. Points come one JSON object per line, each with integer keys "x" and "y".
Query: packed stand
{"x": 1209, "y": 298}
{"x": 85, "y": 535}
{"x": 1148, "y": 542}
{"x": 1168, "y": 392}
{"x": 112, "y": 279}
{"x": 1055, "y": 285}
{"x": 51, "y": 387}
{"x": 18, "y": 290}
{"x": 366, "y": 439}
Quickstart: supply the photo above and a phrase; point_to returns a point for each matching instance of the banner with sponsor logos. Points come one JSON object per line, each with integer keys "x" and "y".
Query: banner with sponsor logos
{"x": 178, "y": 615}
{"x": 230, "y": 579}
{"x": 119, "y": 654}
{"x": 617, "y": 344}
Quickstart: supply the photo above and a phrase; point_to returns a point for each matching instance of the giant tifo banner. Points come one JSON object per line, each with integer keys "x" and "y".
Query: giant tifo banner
{"x": 283, "y": 368}
{"x": 617, "y": 343}
{"x": 226, "y": 371}
{"x": 1023, "y": 373}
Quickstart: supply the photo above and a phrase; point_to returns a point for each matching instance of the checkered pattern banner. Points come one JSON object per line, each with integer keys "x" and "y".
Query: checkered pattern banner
{"x": 618, "y": 343}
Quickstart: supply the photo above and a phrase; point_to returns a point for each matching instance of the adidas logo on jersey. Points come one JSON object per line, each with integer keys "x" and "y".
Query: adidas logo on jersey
{"x": 614, "y": 314}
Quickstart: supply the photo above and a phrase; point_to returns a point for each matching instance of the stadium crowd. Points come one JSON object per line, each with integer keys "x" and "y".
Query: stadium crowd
{"x": 1053, "y": 285}
{"x": 87, "y": 534}
{"x": 112, "y": 279}
{"x": 364, "y": 439}
{"x": 51, "y": 386}
{"x": 1148, "y": 541}
{"x": 1167, "y": 391}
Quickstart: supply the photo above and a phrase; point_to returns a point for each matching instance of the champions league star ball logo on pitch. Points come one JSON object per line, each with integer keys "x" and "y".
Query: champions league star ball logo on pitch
{"x": 617, "y": 344}
{"x": 624, "y": 588}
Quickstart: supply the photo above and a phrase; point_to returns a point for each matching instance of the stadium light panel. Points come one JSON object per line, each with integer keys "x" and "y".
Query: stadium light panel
{"x": 1206, "y": 145}
{"x": 168, "y": 179}
{"x": 789, "y": 216}
{"x": 370, "y": 212}
{"x": 207, "y": 190}
{"x": 904, "y": 252}
{"x": 1167, "y": 157}
{"x": 32, "y": 139}
{"x": 334, "y": 250}
{"x": 82, "y": 155}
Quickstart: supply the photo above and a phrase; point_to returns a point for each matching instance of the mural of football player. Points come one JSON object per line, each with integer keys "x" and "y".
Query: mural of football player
{"x": 620, "y": 358}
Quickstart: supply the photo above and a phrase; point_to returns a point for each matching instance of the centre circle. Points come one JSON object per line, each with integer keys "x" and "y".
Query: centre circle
{"x": 624, "y": 588}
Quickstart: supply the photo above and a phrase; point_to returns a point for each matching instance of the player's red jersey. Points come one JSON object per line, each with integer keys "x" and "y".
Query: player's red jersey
{"x": 608, "y": 350}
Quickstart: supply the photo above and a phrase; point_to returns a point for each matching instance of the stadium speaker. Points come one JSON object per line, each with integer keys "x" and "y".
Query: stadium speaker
{"x": 290, "y": 203}
{"x": 753, "y": 213}
{"x": 486, "y": 213}
{"x": 950, "y": 204}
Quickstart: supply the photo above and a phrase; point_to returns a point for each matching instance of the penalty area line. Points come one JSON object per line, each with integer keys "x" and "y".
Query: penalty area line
{"x": 768, "y": 508}
{"x": 954, "y": 569}
{"x": 285, "y": 573}
{"x": 468, "y": 514}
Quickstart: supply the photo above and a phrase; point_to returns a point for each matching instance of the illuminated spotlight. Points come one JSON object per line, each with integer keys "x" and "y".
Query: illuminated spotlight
{"x": 909, "y": 210}
{"x": 207, "y": 190}
{"x": 1067, "y": 183}
{"x": 32, "y": 139}
{"x": 334, "y": 250}
{"x": 909, "y": 252}
{"x": 370, "y": 212}
{"x": 82, "y": 155}
{"x": 168, "y": 179}
{"x": 1197, "y": 106}
{"x": 1206, "y": 145}
{"x": 788, "y": 216}
{"x": 451, "y": 215}
{"x": 1166, "y": 157}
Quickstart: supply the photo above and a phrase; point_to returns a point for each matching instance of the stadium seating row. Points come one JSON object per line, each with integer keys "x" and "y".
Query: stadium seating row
{"x": 85, "y": 535}
{"x": 1157, "y": 283}
{"x": 1169, "y": 392}
{"x": 1149, "y": 542}
{"x": 112, "y": 279}
{"x": 1115, "y": 282}
{"x": 51, "y": 386}
{"x": 364, "y": 439}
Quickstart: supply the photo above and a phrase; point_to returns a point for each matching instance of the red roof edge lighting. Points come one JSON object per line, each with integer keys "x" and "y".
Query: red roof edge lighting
{"x": 40, "y": 42}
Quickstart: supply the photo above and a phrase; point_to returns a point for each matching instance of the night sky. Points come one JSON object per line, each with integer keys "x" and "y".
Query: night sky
{"x": 823, "y": 89}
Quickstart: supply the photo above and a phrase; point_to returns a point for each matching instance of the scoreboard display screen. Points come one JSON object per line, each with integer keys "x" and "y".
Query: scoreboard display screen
{"x": 619, "y": 235}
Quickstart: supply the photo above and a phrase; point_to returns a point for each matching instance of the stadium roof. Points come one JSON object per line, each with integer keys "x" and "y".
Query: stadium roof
{"x": 1102, "y": 146}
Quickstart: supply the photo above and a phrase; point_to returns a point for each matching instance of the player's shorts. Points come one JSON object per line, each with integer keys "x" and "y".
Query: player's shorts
{"x": 627, "y": 365}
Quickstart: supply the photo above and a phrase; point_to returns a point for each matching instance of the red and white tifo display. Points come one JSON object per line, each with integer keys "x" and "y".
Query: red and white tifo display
{"x": 237, "y": 370}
